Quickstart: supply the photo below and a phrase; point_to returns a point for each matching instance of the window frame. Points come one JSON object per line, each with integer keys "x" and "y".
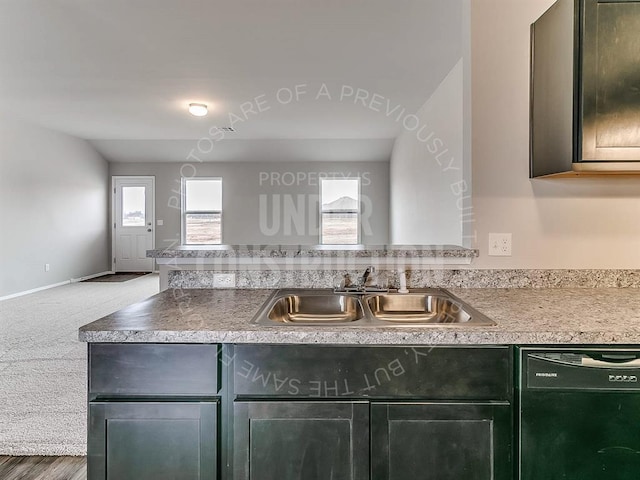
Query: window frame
{"x": 358, "y": 212}
{"x": 184, "y": 212}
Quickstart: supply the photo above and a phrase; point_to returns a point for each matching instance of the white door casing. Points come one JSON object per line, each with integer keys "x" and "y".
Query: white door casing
{"x": 133, "y": 221}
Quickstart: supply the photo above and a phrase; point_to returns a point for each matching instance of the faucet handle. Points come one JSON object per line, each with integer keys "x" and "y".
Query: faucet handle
{"x": 343, "y": 283}
{"x": 373, "y": 281}
{"x": 362, "y": 281}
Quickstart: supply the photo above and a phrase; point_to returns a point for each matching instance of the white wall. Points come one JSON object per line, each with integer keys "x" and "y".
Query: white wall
{"x": 53, "y": 207}
{"x": 430, "y": 167}
{"x": 246, "y": 184}
{"x": 570, "y": 223}
{"x": 427, "y": 170}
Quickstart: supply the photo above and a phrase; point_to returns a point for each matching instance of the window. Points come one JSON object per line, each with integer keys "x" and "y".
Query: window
{"x": 133, "y": 206}
{"x": 201, "y": 211}
{"x": 339, "y": 211}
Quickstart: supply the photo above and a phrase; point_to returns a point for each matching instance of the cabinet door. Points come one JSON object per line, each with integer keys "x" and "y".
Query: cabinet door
{"x": 610, "y": 98}
{"x": 551, "y": 139}
{"x": 441, "y": 441}
{"x": 152, "y": 440}
{"x": 301, "y": 440}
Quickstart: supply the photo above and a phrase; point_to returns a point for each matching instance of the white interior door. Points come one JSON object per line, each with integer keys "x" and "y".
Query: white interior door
{"x": 133, "y": 222}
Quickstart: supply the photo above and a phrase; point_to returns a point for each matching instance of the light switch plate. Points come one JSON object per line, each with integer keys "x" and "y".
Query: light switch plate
{"x": 499, "y": 244}
{"x": 160, "y": 222}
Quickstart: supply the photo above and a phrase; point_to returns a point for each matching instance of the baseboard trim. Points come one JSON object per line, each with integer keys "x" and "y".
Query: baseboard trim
{"x": 34, "y": 290}
{"x": 53, "y": 285}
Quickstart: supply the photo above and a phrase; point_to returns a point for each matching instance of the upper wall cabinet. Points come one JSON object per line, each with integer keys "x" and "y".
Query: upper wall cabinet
{"x": 585, "y": 88}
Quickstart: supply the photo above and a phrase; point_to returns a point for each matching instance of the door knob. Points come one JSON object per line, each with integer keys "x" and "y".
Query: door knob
{"x": 148, "y": 229}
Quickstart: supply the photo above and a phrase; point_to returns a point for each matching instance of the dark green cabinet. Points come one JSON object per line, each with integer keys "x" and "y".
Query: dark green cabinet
{"x": 283, "y": 440}
{"x": 152, "y": 440}
{"x": 455, "y": 441}
{"x": 317, "y": 412}
{"x": 585, "y": 88}
{"x": 153, "y": 412}
{"x": 299, "y": 412}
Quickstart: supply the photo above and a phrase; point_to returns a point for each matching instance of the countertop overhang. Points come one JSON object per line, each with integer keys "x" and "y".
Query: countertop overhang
{"x": 389, "y": 255}
{"x": 523, "y": 316}
{"x": 313, "y": 251}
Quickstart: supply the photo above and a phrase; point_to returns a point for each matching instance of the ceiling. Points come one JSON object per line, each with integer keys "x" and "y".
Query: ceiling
{"x": 122, "y": 72}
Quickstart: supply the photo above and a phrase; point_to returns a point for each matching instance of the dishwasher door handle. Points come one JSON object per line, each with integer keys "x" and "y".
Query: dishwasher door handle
{"x": 615, "y": 363}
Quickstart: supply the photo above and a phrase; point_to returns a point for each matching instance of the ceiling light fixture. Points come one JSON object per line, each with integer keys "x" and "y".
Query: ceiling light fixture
{"x": 198, "y": 109}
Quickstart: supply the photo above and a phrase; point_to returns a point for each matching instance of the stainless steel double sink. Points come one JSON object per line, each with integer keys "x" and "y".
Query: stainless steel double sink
{"x": 425, "y": 308}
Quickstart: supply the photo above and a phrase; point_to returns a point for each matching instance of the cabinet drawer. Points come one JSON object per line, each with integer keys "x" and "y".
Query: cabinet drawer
{"x": 312, "y": 371}
{"x": 151, "y": 369}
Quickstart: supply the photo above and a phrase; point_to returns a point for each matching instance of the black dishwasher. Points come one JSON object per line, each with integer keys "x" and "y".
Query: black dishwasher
{"x": 579, "y": 414}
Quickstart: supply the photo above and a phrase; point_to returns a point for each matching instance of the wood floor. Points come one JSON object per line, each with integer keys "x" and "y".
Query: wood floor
{"x": 43, "y": 468}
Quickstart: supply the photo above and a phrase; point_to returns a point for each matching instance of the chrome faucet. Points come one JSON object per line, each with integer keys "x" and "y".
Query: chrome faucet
{"x": 366, "y": 274}
{"x": 377, "y": 283}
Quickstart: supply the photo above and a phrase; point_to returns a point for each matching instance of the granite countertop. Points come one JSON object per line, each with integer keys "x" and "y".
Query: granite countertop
{"x": 317, "y": 251}
{"x": 524, "y": 316}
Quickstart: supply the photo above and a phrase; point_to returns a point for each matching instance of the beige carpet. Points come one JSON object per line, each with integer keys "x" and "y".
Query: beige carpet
{"x": 43, "y": 366}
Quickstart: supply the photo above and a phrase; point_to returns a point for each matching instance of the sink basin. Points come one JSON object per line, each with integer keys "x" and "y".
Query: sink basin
{"x": 431, "y": 307}
{"x": 417, "y": 308}
{"x": 316, "y": 309}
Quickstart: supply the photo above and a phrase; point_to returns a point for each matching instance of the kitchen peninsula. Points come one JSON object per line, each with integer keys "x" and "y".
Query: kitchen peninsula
{"x": 184, "y": 382}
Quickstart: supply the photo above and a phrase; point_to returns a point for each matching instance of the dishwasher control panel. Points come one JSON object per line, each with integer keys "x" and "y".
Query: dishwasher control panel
{"x": 587, "y": 369}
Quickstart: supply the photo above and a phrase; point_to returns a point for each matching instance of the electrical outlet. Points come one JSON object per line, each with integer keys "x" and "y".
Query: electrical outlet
{"x": 499, "y": 244}
{"x": 46, "y": 267}
{"x": 224, "y": 280}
